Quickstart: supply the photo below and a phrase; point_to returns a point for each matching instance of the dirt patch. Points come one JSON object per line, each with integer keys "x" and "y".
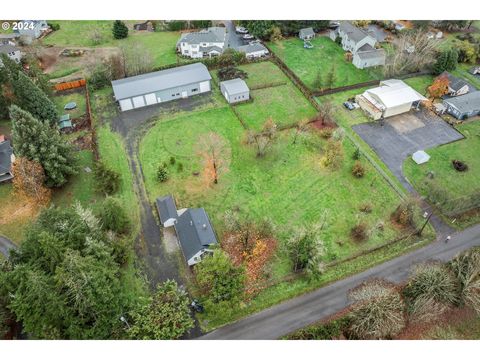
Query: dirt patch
{"x": 19, "y": 209}
{"x": 84, "y": 142}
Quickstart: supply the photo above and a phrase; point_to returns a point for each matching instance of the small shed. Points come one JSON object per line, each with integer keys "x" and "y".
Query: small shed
{"x": 235, "y": 90}
{"x": 306, "y": 34}
{"x": 167, "y": 210}
{"x": 420, "y": 157}
{"x": 65, "y": 122}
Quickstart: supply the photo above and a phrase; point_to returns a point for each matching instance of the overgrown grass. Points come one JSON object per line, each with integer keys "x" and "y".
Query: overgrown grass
{"x": 63, "y": 72}
{"x": 62, "y": 98}
{"x": 306, "y": 63}
{"x": 161, "y": 45}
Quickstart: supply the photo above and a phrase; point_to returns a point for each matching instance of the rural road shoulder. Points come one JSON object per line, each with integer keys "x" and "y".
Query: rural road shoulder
{"x": 303, "y": 310}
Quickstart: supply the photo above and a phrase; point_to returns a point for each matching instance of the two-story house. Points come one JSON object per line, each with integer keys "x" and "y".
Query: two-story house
{"x": 204, "y": 43}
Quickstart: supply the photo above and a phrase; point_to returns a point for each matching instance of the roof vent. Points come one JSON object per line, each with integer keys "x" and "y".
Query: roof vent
{"x": 204, "y": 226}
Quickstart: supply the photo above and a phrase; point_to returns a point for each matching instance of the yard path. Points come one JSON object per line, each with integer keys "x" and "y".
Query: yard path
{"x": 6, "y": 245}
{"x": 291, "y": 315}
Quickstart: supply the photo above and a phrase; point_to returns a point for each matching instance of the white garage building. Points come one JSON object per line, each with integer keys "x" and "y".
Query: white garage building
{"x": 161, "y": 86}
{"x": 391, "y": 98}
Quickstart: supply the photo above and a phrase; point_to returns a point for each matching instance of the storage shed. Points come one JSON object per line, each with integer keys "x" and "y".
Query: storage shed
{"x": 306, "y": 34}
{"x": 235, "y": 90}
{"x": 161, "y": 86}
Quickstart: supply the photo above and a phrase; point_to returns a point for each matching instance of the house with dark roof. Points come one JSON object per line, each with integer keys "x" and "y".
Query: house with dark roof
{"x": 475, "y": 70}
{"x": 463, "y": 107}
{"x": 192, "y": 226}
{"x": 235, "y": 90}
{"x": 253, "y": 50}
{"x": 306, "y": 34}
{"x": 204, "y": 43}
{"x": 6, "y": 160}
{"x": 457, "y": 86}
{"x": 161, "y": 86}
{"x": 361, "y": 44}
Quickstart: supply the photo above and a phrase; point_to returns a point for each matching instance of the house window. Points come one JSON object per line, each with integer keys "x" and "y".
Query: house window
{"x": 194, "y": 90}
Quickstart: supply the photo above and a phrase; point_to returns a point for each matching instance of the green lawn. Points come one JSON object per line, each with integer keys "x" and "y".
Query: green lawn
{"x": 306, "y": 63}
{"x": 161, "y": 45}
{"x": 420, "y": 83}
{"x": 80, "y": 187}
{"x": 62, "y": 98}
{"x": 462, "y": 72}
{"x": 455, "y": 184}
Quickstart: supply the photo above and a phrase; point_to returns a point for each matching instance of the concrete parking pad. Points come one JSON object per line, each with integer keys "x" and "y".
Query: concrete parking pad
{"x": 400, "y": 136}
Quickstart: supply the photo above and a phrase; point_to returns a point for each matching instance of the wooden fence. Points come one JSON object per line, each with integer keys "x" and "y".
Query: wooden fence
{"x": 70, "y": 85}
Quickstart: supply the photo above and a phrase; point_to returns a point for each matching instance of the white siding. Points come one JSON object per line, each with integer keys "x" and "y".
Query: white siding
{"x": 400, "y": 109}
{"x": 126, "y": 104}
{"x": 138, "y": 101}
{"x": 151, "y": 99}
{"x": 204, "y": 86}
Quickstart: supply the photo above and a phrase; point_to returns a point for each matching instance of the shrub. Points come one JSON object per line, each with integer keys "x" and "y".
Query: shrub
{"x": 113, "y": 216}
{"x": 179, "y": 167}
{"x": 358, "y": 170}
{"x": 329, "y": 331}
{"x": 54, "y": 26}
{"x": 377, "y": 311}
{"x": 359, "y": 232}
{"x": 162, "y": 173}
{"x": 119, "y": 30}
{"x": 107, "y": 181}
{"x": 231, "y": 72}
{"x": 356, "y": 154}
{"x": 432, "y": 282}
{"x": 459, "y": 165}
{"x": 100, "y": 76}
{"x": 172, "y": 160}
{"x": 466, "y": 268}
{"x": 366, "y": 208}
{"x": 326, "y": 133}
{"x": 404, "y": 213}
{"x": 333, "y": 154}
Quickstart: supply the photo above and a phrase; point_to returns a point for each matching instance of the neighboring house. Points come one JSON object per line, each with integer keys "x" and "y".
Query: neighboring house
{"x": 32, "y": 28}
{"x": 204, "y": 43}
{"x": 145, "y": 26}
{"x": 235, "y": 90}
{"x": 6, "y": 160}
{"x": 361, "y": 44}
{"x": 161, "y": 86}
{"x": 457, "y": 86}
{"x": 193, "y": 227}
{"x": 306, "y": 34}
{"x": 465, "y": 106}
{"x": 391, "y": 98}
{"x": 8, "y": 39}
{"x": 253, "y": 50}
{"x": 474, "y": 70}
{"x": 12, "y": 52}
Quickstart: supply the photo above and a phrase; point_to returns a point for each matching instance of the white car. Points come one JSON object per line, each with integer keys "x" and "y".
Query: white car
{"x": 241, "y": 30}
{"x": 248, "y": 37}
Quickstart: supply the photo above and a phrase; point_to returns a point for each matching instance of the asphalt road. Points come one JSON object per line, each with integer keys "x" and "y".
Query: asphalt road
{"x": 6, "y": 245}
{"x": 301, "y": 311}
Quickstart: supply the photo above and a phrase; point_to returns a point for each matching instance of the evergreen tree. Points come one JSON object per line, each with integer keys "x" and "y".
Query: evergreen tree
{"x": 447, "y": 60}
{"x": 38, "y": 141}
{"x": 30, "y": 98}
{"x": 120, "y": 30}
{"x": 331, "y": 78}
{"x": 113, "y": 216}
{"x": 8, "y": 73}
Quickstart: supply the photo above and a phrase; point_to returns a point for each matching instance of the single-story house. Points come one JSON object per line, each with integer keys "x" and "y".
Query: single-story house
{"x": 235, "y": 90}
{"x": 161, "y": 86}
{"x": 32, "y": 28}
{"x": 420, "y": 157}
{"x": 192, "y": 226}
{"x": 204, "y": 43}
{"x": 12, "y": 52}
{"x": 465, "y": 106}
{"x": 306, "y": 34}
{"x": 253, "y": 50}
{"x": 474, "y": 70}
{"x": 361, "y": 44}
{"x": 457, "y": 86}
{"x": 391, "y": 98}
{"x": 6, "y": 160}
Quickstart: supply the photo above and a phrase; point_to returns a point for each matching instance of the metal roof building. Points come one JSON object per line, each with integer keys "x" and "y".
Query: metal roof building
{"x": 161, "y": 86}
{"x": 235, "y": 90}
{"x": 306, "y": 34}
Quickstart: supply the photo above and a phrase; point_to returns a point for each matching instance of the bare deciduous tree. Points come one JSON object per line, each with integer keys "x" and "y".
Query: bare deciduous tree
{"x": 216, "y": 156}
{"x": 264, "y": 138}
{"x": 413, "y": 51}
{"x": 136, "y": 59}
{"x": 29, "y": 179}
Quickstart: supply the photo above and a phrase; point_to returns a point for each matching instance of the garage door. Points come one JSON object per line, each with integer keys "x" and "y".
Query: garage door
{"x": 138, "y": 101}
{"x": 204, "y": 86}
{"x": 151, "y": 99}
{"x": 126, "y": 104}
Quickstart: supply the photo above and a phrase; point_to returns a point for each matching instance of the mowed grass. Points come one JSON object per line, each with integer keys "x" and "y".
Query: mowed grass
{"x": 462, "y": 72}
{"x": 63, "y": 98}
{"x": 288, "y": 186}
{"x": 457, "y": 184}
{"x": 306, "y": 63}
{"x": 160, "y": 45}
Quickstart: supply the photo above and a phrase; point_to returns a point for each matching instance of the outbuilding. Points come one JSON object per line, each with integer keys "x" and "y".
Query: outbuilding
{"x": 465, "y": 106}
{"x": 235, "y": 90}
{"x": 253, "y": 50}
{"x": 6, "y": 160}
{"x": 161, "y": 86}
{"x": 420, "y": 157}
{"x": 306, "y": 34}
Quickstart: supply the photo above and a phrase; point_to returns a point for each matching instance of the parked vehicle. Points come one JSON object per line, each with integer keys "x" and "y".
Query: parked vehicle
{"x": 241, "y": 30}
{"x": 350, "y": 105}
{"x": 248, "y": 37}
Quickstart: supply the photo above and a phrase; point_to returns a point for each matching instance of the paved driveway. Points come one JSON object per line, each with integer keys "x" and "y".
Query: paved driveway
{"x": 402, "y": 135}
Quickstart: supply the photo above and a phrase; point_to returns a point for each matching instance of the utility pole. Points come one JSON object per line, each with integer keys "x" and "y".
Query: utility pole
{"x": 425, "y": 224}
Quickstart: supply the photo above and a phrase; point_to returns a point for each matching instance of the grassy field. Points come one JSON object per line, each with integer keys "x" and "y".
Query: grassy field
{"x": 161, "y": 45}
{"x": 65, "y": 97}
{"x": 306, "y": 63}
{"x": 456, "y": 184}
